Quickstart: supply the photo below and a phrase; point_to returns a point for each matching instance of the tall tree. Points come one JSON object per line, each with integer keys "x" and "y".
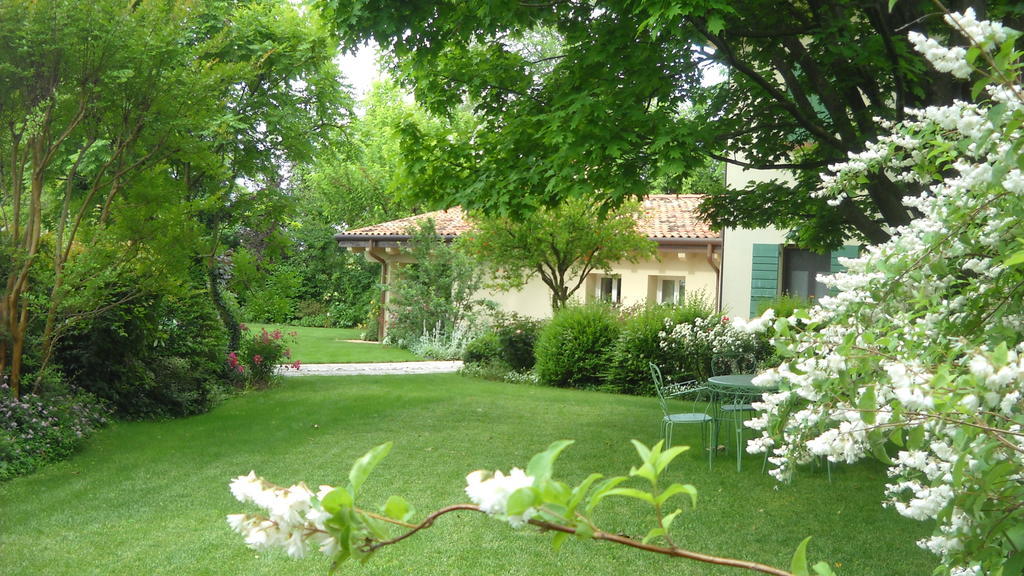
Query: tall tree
{"x": 108, "y": 111}
{"x": 601, "y": 117}
{"x": 561, "y": 245}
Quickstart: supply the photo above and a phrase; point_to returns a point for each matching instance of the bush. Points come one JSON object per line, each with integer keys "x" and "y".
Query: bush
{"x": 639, "y": 344}
{"x": 517, "y": 336}
{"x": 484, "y": 349}
{"x": 275, "y": 301}
{"x": 572, "y": 349}
{"x": 784, "y": 305}
{"x": 35, "y": 430}
{"x": 260, "y": 355}
{"x": 160, "y": 356}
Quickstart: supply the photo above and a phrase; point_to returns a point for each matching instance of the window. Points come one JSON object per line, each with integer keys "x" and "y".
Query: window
{"x": 800, "y": 272}
{"x": 609, "y": 289}
{"x": 671, "y": 290}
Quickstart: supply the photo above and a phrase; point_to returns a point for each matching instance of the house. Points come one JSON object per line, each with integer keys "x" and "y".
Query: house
{"x": 736, "y": 269}
{"x": 761, "y": 264}
{"x": 688, "y": 261}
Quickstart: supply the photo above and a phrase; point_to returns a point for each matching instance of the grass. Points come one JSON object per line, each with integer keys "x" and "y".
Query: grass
{"x": 332, "y": 345}
{"x": 150, "y": 497}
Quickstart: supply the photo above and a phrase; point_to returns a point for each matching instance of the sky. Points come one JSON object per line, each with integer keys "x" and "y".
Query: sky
{"x": 360, "y": 69}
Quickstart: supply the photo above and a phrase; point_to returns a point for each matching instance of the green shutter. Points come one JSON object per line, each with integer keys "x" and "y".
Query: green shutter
{"x": 764, "y": 275}
{"x": 835, "y": 266}
{"x": 844, "y": 252}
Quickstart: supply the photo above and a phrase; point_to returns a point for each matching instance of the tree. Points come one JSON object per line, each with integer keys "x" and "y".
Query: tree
{"x": 918, "y": 359}
{"x": 561, "y": 246}
{"x": 120, "y": 123}
{"x": 435, "y": 294}
{"x": 601, "y": 118}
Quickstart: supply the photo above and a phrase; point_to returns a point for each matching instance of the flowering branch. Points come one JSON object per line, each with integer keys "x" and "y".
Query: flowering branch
{"x": 297, "y": 519}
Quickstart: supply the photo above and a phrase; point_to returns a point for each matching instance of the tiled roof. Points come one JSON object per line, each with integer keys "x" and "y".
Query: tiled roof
{"x": 666, "y": 216}
{"x": 448, "y": 222}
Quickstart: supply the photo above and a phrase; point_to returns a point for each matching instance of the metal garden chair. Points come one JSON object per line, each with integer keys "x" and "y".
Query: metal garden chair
{"x": 681, "y": 390}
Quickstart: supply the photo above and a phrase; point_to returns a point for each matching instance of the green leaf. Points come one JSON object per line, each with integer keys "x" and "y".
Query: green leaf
{"x": 542, "y": 464}
{"x": 867, "y": 405}
{"x": 580, "y": 492}
{"x": 1016, "y": 535}
{"x": 668, "y": 520}
{"x": 558, "y": 540}
{"x": 798, "y": 566}
{"x": 602, "y": 490}
{"x": 632, "y": 493}
{"x": 678, "y": 489}
{"x": 335, "y": 500}
{"x": 520, "y": 501}
{"x": 396, "y": 507}
{"x": 644, "y": 451}
{"x": 583, "y": 530}
{"x": 668, "y": 456}
{"x": 654, "y": 533}
{"x": 362, "y": 467}
{"x": 823, "y": 569}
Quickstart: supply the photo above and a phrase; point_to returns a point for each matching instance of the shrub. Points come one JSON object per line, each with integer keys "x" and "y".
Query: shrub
{"x": 485, "y": 348}
{"x": 434, "y": 294}
{"x": 159, "y": 356}
{"x": 275, "y": 300}
{"x": 442, "y": 345}
{"x": 260, "y": 354}
{"x": 35, "y": 430}
{"x": 572, "y": 348}
{"x": 784, "y": 305}
{"x": 639, "y": 344}
{"x": 517, "y": 337}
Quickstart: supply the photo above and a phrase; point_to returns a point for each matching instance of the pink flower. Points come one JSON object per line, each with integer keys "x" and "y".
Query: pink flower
{"x": 276, "y": 335}
{"x": 243, "y": 327}
{"x": 240, "y": 368}
{"x": 257, "y": 359}
{"x": 296, "y": 364}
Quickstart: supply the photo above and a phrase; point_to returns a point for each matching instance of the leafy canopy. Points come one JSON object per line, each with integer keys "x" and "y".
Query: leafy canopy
{"x": 595, "y": 108}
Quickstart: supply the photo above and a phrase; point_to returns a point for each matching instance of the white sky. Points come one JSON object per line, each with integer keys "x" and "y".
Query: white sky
{"x": 360, "y": 69}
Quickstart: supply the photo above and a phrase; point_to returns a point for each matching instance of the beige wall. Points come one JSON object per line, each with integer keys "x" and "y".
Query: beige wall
{"x": 738, "y": 244}
{"x": 736, "y": 265}
{"x": 639, "y": 283}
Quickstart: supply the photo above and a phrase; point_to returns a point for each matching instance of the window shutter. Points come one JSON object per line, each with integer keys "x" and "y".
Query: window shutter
{"x": 844, "y": 252}
{"x": 764, "y": 275}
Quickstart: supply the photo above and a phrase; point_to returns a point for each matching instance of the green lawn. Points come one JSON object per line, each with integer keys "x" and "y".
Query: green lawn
{"x": 333, "y": 345}
{"x": 150, "y": 497}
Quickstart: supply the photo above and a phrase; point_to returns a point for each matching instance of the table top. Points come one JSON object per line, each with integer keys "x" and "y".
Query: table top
{"x": 738, "y": 382}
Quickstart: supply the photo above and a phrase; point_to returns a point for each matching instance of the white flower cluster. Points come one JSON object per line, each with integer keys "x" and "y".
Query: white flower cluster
{"x": 735, "y": 345}
{"x": 294, "y": 520}
{"x": 491, "y": 493}
{"x": 923, "y": 344}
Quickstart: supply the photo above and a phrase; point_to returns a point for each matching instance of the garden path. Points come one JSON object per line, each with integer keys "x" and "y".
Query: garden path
{"x": 432, "y": 367}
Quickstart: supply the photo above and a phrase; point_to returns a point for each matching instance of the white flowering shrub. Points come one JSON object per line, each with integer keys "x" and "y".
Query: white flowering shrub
{"x": 918, "y": 359}
{"x": 717, "y": 345}
{"x": 334, "y": 522}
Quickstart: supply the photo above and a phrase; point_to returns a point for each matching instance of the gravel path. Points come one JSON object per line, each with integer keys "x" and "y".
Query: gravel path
{"x": 374, "y": 368}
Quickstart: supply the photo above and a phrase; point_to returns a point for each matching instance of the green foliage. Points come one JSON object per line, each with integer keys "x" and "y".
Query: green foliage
{"x": 159, "y": 356}
{"x": 517, "y": 338}
{"x": 275, "y": 298}
{"x": 485, "y": 348}
{"x": 784, "y": 305}
{"x": 595, "y": 113}
{"x": 36, "y": 429}
{"x": 561, "y": 245}
{"x": 433, "y": 296}
{"x": 639, "y": 343}
{"x": 260, "y": 354}
{"x": 572, "y": 348}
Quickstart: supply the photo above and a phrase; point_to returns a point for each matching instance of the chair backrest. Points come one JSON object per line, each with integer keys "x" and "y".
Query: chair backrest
{"x": 659, "y": 385}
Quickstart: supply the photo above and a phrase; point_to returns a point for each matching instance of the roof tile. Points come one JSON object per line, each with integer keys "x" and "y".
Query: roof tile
{"x": 664, "y": 216}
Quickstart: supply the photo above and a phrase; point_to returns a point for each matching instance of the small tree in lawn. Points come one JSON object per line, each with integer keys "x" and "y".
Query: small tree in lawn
{"x": 561, "y": 245}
